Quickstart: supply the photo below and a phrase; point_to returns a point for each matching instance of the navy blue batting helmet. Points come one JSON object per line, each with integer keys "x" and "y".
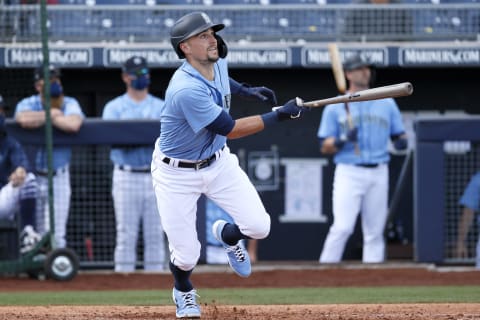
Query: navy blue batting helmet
{"x": 190, "y": 25}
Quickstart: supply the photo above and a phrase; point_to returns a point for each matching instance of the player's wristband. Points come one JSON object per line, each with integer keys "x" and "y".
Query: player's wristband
{"x": 339, "y": 143}
{"x": 270, "y": 118}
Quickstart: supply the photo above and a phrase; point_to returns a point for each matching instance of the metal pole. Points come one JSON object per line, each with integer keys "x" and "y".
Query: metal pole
{"x": 48, "y": 120}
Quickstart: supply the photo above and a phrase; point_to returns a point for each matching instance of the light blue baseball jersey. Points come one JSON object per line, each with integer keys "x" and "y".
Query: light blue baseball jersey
{"x": 191, "y": 103}
{"x": 61, "y": 155}
{"x": 471, "y": 194}
{"x": 123, "y": 108}
{"x": 376, "y": 120}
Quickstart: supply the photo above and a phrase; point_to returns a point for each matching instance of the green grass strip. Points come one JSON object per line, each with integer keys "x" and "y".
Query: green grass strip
{"x": 260, "y": 296}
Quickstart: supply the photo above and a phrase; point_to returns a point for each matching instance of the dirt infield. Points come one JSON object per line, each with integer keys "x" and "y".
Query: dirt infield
{"x": 294, "y": 312}
{"x": 221, "y": 277}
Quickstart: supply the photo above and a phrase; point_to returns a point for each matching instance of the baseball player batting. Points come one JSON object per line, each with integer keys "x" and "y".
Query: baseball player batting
{"x": 361, "y": 179}
{"x": 191, "y": 156}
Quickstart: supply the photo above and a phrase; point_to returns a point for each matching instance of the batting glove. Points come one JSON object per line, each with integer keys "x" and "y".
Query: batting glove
{"x": 352, "y": 134}
{"x": 400, "y": 144}
{"x": 293, "y": 109}
{"x": 262, "y": 94}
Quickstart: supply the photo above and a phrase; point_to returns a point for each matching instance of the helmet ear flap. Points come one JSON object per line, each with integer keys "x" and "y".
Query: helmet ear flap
{"x": 221, "y": 47}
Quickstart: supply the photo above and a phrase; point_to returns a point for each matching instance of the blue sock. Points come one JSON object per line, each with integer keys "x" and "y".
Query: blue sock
{"x": 27, "y": 212}
{"x": 231, "y": 234}
{"x": 182, "y": 278}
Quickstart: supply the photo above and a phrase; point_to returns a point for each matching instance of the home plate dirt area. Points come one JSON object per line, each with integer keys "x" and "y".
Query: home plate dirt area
{"x": 264, "y": 275}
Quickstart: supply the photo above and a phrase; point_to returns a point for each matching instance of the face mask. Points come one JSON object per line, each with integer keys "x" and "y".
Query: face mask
{"x": 141, "y": 82}
{"x": 56, "y": 90}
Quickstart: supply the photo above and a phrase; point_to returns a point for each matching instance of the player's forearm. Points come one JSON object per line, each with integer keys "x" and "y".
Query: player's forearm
{"x": 246, "y": 126}
{"x": 464, "y": 224}
{"x": 30, "y": 119}
{"x": 70, "y": 123}
{"x": 328, "y": 146}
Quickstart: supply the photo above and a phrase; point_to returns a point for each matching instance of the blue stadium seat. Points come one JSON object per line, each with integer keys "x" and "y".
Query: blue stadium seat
{"x": 125, "y": 2}
{"x": 296, "y": 1}
{"x": 70, "y": 25}
{"x": 419, "y": 1}
{"x": 240, "y": 2}
{"x": 181, "y": 2}
{"x": 459, "y": 1}
{"x": 340, "y": 1}
{"x": 445, "y": 24}
{"x": 80, "y": 2}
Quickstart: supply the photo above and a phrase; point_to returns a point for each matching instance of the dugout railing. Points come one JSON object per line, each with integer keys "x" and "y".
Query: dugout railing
{"x": 127, "y": 24}
{"x": 447, "y": 156}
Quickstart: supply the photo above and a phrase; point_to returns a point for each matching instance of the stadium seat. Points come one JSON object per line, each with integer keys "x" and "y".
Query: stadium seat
{"x": 339, "y": 1}
{"x": 459, "y": 1}
{"x": 420, "y": 1}
{"x": 183, "y": 2}
{"x": 124, "y": 2}
{"x": 297, "y": 1}
{"x": 79, "y": 2}
{"x": 446, "y": 24}
{"x": 264, "y": 2}
{"x": 70, "y": 25}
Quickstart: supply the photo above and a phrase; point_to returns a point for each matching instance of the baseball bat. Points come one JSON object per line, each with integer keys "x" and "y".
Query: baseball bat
{"x": 337, "y": 68}
{"x": 391, "y": 91}
{"x": 340, "y": 81}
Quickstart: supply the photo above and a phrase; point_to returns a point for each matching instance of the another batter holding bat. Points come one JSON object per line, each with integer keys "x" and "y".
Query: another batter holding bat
{"x": 191, "y": 156}
{"x": 361, "y": 178}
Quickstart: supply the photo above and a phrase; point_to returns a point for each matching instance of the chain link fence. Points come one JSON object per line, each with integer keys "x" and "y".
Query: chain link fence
{"x": 280, "y": 22}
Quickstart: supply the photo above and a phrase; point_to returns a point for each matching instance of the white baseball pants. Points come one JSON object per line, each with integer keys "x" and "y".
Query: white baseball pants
{"x": 224, "y": 182}
{"x": 61, "y": 205}
{"x": 358, "y": 189}
{"x": 135, "y": 203}
{"x": 10, "y": 198}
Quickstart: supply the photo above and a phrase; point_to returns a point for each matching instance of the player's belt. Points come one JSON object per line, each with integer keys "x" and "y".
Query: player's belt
{"x": 193, "y": 165}
{"x": 133, "y": 169}
{"x": 367, "y": 165}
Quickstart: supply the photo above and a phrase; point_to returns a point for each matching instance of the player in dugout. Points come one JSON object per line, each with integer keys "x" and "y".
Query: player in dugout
{"x": 18, "y": 186}
{"x": 67, "y": 116}
{"x": 132, "y": 190}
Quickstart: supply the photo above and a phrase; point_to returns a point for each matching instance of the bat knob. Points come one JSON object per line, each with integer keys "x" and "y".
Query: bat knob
{"x": 409, "y": 88}
{"x": 299, "y": 101}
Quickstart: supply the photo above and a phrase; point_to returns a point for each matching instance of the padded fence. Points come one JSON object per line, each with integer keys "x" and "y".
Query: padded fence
{"x": 462, "y": 162}
{"x": 446, "y": 158}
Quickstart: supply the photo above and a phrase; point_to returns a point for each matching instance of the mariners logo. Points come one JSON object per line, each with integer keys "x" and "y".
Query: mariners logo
{"x": 206, "y": 18}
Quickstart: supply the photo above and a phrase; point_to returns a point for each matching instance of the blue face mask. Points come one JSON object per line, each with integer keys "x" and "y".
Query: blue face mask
{"x": 141, "y": 82}
{"x": 56, "y": 90}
